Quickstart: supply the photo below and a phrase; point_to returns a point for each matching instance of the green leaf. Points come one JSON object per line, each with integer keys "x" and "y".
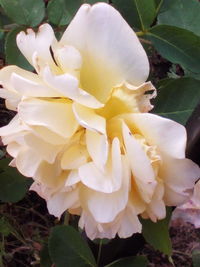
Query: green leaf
{"x": 138, "y": 13}
{"x": 67, "y": 248}
{"x": 24, "y": 12}
{"x": 177, "y": 45}
{"x": 13, "y": 186}
{"x": 13, "y": 54}
{"x": 177, "y": 98}
{"x": 5, "y": 227}
{"x": 61, "y": 12}
{"x": 45, "y": 260}
{"x": 157, "y": 234}
{"x": 4, "y": 164}
{"x": 183, "y": 14}
{"x": 137, "y": 261}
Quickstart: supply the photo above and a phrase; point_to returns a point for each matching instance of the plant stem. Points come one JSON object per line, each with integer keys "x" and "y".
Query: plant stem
{"x": 99, "y": 252}
{"x": 66, "y": 218}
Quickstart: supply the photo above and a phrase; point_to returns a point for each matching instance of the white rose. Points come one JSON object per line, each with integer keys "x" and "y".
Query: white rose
{"x": 81, "y": 131}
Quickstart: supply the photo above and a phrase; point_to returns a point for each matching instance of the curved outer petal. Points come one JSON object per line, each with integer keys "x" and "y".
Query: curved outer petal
{"x": 25, "y": 83}
{"x": 169, "y": 136}
{"x": 129, "y": 223}
{"x": 68, "y": 86}
{"x": 74, "y": 157}
{"x": 45, "y": 150}
{"x": 89, "y": 119}
{"x": 98, "y": 147}
{"x": 56, "y": 116}
{"x": 110, "y": 50}
{"x": 13, "y": 127}
{"x": 156, "y": 208}
{"x": 28, "y": 161}
{"x": 62, "y": 201}
{"x": 140, "y": 164}
{"x": 108, "y": 179}
{"x": 179, "y": 176}
{"x": 31, "y": 43}
{"x": 105, "y": 207}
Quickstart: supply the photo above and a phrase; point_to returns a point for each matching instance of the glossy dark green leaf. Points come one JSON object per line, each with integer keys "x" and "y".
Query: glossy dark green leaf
{"x": 183, "y": 14}
{"x": 177, "y": 45}
{"x": 61, "y": 12}
{"x": 67, "y": 248}
{"x": 13, "y": 186}
{"x": 137, "y": 261}
{"x": 24, "y": 12}
{"x": 13, "y": 55}
{"x": 138, "y": 13}
{"x": 157, "y": 234}
{"x": 177, "y": 98}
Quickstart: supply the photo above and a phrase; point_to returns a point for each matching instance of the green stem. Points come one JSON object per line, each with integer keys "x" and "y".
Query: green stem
{"x": 140, "y": 33}
{"x": 99, "y": 252}
{"x": 66, "y": 218}
{"x": 158, "y": 7}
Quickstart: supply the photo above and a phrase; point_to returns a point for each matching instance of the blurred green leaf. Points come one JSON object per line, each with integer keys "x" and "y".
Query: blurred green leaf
{"x": 177, "y": 98}
{"x": 191, "y": 74}
{"x": 5, "y": 227}
{"x": 157, "y": 234}
{"x": 13, "y": 54}
{"x": 177, "y": 45}
{"x": 196, "y": 257}
{"x": 165, "y": 5}
{"x": 67, "y": 248}
{"x": 60, "y": 12}
{"x": 24, "y": 12}
{"x": 183, "y": 14}
{"x": 138, "y": 13}
{"x": 45, "y": 260}
{"x": 137, "y": 261}
{"x": 4, "y": 164}
{"x": 13, "y": 186}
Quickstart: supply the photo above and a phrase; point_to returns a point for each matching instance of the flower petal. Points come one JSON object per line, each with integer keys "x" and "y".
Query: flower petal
{"x": 39, "y": 43}
{"x": 107, "y": 180}
{"x": 28, "y": 161}
{"x": 45, "y": 150}
{"x": 140, "y": 164}
{"x": 129, "y": 223}
{"x": 74, "y": 157}
{"x": 97, "y": 146}
{"x": 62, "y": 201}
{"x": 179, "y": 176}
{"x": 105, "y": 207}
{"x": 169, "y": 136}
{"x": 68, "y": 86}
{"x": 89, "y": 119}
{"x": 55, "y": 115}
{"x": 109, "y": 47}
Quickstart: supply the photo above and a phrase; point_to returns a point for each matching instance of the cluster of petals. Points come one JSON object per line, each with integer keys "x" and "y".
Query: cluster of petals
{"x": 82, "y": 129}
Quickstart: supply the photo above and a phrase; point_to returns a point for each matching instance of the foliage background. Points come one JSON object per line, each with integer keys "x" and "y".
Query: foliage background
{"x": 169, "y": 30}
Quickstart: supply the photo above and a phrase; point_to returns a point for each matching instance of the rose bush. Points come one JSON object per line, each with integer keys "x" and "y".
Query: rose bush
{"x": 82, "y": 130}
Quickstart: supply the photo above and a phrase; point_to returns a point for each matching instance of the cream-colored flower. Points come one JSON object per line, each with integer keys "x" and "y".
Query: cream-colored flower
{"x": 82, "y": 131}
